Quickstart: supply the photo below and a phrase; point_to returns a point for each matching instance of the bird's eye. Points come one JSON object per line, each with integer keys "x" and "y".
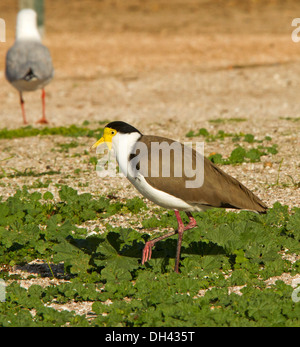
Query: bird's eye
{"x": 113, "y": 132}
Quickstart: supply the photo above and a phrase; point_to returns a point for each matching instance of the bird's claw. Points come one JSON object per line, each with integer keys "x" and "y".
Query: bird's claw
{"x": 147, "y": 251}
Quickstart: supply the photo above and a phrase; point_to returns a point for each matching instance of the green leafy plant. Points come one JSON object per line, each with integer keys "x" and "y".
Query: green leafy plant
{"x": 226, "y": 249}
{"x": 72, "y": 131}
{"x": 240, "y": 154}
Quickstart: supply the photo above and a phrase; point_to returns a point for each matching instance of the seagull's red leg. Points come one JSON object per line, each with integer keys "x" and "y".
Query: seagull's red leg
{"x": 43, "y": 120}
{"x": 23, "y": 108}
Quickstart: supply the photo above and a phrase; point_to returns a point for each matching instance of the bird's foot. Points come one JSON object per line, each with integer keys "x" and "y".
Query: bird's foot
{"x": 192, "y": 221}
{"x": 192, "y": 224}
{"x": 42, "y": 121}
{"x": 147, "y": 251}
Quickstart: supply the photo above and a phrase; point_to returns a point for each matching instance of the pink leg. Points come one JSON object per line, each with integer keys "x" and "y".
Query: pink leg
{"x": 23, "y": 108}
{"x": 192, "y": 224}
{"x": 43, "y": 120}
{"x": 147, "y": 251}
{"x": 181, "y": 229}
{"x": 180, "y": 235}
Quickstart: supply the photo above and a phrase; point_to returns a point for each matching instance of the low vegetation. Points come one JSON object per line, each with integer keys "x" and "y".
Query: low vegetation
{"x": 227, "y": 262}
{"x": 227, "y": 249}
{"x": 240, "y": 154}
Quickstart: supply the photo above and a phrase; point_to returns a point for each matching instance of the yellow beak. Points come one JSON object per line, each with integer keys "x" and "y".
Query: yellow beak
{"x": 102, "y": 140}
{"x": 106, "y": 138}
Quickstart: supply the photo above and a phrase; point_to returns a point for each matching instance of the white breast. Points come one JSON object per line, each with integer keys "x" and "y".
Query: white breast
{"x": 157, "y": 196}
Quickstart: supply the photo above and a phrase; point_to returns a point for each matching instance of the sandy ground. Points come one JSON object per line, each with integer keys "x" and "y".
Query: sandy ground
{"x": 167, "y": 68}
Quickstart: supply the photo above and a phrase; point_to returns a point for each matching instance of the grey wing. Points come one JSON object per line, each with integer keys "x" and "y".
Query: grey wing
{"x": 25, "y": 56}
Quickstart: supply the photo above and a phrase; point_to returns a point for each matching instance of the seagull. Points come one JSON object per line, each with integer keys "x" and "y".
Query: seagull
{"x": 180, "y": 187}
{"x": 28, "y": 61}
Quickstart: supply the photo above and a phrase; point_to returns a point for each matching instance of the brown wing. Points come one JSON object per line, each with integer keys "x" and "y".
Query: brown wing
{"x": 218, "y": 189}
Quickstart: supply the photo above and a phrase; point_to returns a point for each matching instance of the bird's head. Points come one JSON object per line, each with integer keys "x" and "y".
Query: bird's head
{"x": 112, "y": 131}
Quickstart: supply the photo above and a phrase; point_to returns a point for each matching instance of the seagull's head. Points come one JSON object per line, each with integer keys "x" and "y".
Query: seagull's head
{"x": 27, "y": 25}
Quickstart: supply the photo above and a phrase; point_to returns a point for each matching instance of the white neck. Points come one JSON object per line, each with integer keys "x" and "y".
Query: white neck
{"x": 27, "y": 26}
{"x": 122, "y": 145}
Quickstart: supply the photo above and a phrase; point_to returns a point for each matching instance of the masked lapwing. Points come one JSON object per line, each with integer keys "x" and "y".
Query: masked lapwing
{"x": 180, "y": 178}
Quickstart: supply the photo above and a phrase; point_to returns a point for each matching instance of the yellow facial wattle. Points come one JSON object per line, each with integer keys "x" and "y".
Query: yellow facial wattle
{"x": 106, "y": 138}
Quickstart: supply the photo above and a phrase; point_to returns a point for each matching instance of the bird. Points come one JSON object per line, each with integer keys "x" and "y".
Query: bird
{"x": 28, "y": 62}
{"x": 180, "y": 189}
